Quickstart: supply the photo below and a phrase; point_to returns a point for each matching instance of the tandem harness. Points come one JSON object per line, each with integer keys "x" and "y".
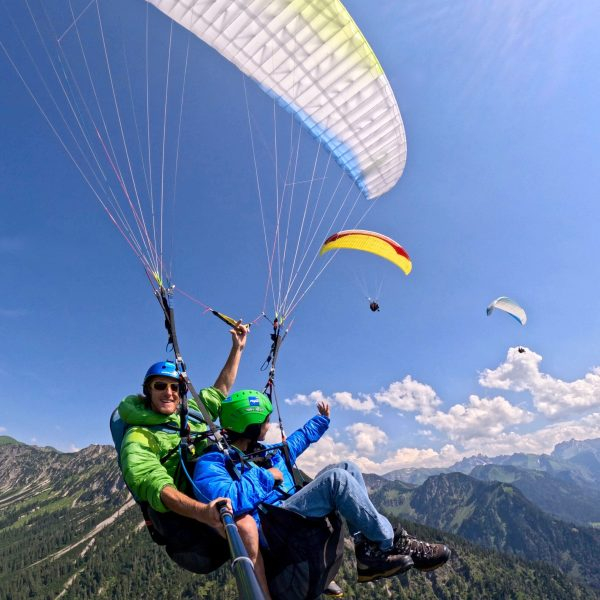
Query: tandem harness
{"x": 118, "y": 429}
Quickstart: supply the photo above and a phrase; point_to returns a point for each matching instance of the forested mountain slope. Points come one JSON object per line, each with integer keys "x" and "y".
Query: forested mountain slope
{"x": 68, "y": 529}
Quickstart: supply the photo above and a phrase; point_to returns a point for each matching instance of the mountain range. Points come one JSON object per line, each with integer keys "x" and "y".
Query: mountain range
{"x": 496, "y": 515}
{"x": 573, "y": 461}
{"x": 565, "y": 483}
{"x": 69, "y": 529}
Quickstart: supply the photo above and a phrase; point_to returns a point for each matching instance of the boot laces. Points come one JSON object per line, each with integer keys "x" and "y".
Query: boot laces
{"x": 409, "y": 544}
{"x": 372, "y": 550}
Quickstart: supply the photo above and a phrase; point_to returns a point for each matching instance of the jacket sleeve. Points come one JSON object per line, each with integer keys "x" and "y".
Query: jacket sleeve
{"x": 302, "y": 438}
{"x": 212, "y": 398}
{"x": 212, "y": 480}
{"x": 142, "y": 471}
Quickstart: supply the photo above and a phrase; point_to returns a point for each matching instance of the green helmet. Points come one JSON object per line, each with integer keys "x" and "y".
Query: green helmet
{"x": 243, "y": 408}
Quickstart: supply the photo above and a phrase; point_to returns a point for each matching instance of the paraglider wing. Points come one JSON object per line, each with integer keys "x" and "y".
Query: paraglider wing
{"x": 370, "y": 241}
{"x": 313, "y": 59}
{"x": 508, "y": 306}
{"x": 115, "y": 89}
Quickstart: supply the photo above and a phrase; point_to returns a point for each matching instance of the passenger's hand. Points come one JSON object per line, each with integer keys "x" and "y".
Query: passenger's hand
{"x": 210, "y": 514}
{"x": 277, "y": 474}
{"x": 323, "y": 408}
{"x": 239, "y": 333}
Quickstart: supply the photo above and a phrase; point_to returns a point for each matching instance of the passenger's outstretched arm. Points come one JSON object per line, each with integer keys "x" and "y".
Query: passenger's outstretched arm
{"x": 310, "y": 433}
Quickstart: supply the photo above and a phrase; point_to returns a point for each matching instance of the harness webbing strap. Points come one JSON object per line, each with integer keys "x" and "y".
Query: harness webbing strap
{"x": 269, "y": 390}
{"x": 162, "y": 295}
{"x": 196, "y": 436}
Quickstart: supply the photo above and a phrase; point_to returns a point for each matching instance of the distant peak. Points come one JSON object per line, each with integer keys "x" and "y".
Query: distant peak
{"x": 6, "y": 440}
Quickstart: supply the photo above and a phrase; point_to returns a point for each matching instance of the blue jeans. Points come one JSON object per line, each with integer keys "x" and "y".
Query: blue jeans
{"x": 341, "y": 487}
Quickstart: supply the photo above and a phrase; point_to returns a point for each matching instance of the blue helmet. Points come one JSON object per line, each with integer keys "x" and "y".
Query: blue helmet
{"x": 165, "y": 368}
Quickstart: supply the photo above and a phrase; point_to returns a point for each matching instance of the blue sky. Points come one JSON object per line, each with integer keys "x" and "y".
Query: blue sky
{"x": 499, "y": 197}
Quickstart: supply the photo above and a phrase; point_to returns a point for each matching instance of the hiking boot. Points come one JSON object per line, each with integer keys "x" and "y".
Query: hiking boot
{"x": 373, "y": 563}
{"x": 426, "y": 556}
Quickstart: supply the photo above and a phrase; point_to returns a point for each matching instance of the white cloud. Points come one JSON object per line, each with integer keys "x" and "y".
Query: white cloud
{"x": 273, "y": 434}
{"x": 362, "y": 403}
{"x": 3, "y": 429}
{"x": 541, "y": 441}
{"x": 517, "y": 373}
{"x": 409, "y": 395}
{"x": 367, "y": 438}
{"x": 327, "y": 451}
{"x": 486, "y": 425}
{"x": 410, "y": 457}
{"x": 552, "y": 397}
{"x": 481, "y": 417}
{"x": 307, "y": 400}
{"x": 324, "y": 452}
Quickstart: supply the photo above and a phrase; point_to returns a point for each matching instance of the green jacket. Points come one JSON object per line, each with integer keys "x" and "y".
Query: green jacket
{"x": 143, "y": 448}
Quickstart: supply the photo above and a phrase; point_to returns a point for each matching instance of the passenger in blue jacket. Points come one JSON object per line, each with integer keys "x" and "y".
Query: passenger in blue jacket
{"x": 253, "y": 473}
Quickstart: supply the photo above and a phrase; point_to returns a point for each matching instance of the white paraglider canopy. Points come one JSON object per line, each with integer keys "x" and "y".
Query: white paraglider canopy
{"x": 508, "y": 306}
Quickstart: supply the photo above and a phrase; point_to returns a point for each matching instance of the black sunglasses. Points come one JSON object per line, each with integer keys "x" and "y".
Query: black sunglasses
{"x": 161, "y": 386}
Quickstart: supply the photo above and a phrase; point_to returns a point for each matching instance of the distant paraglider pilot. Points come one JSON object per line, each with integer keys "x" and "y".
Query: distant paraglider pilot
{"x": 153, "y": 472}
{"x": 253, "y": 474}
{"x": 374, "y": 306}
{"x": 520, "y": 349}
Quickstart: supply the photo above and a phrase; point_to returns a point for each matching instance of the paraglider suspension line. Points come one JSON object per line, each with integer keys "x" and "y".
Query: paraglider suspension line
{"x": 269, "y": 390}
{"x": 276, "y": 340}
{"x": 164, "y": 296}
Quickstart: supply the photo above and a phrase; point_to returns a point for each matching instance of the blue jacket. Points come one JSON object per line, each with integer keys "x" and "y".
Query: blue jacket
{"x": 213, "y": 475}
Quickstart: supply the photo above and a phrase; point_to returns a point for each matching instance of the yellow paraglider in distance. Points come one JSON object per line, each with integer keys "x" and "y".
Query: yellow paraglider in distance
{"x": 370, "y": 241}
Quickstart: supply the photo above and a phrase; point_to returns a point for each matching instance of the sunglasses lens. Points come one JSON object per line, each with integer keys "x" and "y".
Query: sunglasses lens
{"x": 161, "y": 386}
